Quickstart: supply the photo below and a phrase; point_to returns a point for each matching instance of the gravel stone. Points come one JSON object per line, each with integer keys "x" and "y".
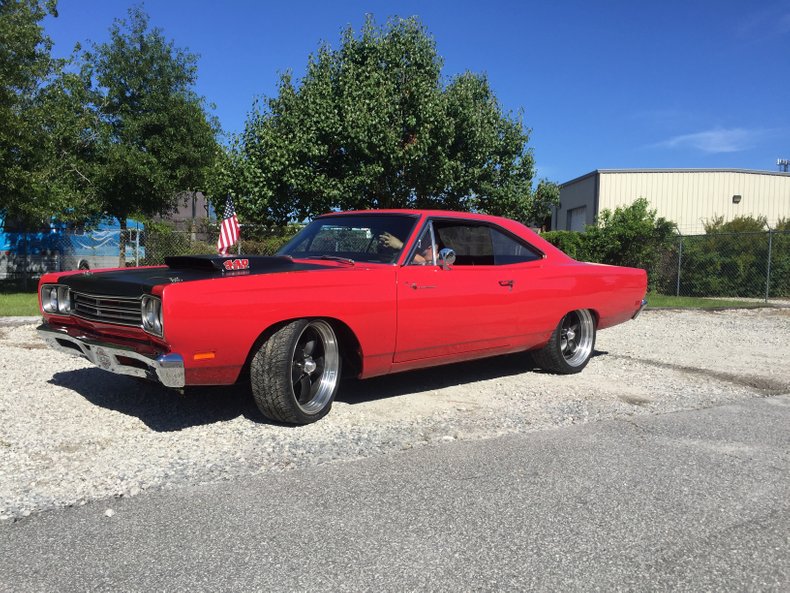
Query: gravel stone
{"x": 71, "y": 433}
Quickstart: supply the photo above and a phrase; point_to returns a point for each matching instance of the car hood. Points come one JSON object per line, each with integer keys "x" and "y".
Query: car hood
{"x": 134, "y": 282}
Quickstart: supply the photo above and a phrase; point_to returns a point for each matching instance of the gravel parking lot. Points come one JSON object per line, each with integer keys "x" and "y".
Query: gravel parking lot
{"x": 70, "y": 433}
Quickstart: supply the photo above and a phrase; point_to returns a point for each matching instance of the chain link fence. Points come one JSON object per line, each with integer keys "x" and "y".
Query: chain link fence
{"x": 25, "y": 256}
{"x": 746, "y": 265}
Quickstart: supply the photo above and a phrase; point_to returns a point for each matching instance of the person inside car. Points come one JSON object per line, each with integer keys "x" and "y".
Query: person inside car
{"x": 423, "y": 255}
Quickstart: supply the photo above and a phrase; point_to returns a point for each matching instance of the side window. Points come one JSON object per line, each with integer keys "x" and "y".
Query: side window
{"x": 471, "y": 242}
{"x": 508, "y": 250}
{"x": 482, "y": 245}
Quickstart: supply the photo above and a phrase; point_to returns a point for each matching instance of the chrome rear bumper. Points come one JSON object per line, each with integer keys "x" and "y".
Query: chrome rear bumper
{"x": 639, "y": 310}
{"x": 168, "y": 369}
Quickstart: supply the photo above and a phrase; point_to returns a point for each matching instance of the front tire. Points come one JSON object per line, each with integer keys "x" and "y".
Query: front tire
{"x": 295, "y": 373}
{"x": 571, "y": 345}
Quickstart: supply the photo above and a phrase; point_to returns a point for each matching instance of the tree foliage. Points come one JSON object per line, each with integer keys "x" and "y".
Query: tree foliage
{"x": 371, "y": 125}
{"x": 156, "y": 138}
{"x": 547, "y": 197}
{"x": 25, "y": 66}
{"x": 115, "y": 130}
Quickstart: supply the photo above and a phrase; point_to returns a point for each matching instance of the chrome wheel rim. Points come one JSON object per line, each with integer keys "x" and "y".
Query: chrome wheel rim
{"x": 315, "y": 367}
{"x": 577, "y": 334}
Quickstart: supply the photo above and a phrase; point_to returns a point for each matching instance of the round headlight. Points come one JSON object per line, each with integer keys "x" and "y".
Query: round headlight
{"x": 49, "y": 298}
{"x": 63, "y": 297}
{"x": 152, "y": 315}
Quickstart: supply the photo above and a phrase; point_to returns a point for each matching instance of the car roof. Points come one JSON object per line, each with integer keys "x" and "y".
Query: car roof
{"x": 433, "y": 213}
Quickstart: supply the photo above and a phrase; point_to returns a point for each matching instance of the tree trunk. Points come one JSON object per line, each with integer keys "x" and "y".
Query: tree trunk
{"x": 122, "y": 238}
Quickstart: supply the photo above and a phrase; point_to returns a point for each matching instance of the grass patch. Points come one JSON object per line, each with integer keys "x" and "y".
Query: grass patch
{"x": 18, "y": 304}
{"x": 660, "y": 301}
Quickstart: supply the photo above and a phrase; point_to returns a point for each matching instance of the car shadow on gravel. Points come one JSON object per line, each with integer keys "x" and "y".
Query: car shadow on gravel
{"x": 167, "y": 410}
{"x": 161, "y": 409}
{"x": 353, "y": 391}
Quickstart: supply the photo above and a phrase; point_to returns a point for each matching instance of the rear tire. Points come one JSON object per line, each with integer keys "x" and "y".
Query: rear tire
{"x": 571, "y": 345}
{"x": 295, "y": 373}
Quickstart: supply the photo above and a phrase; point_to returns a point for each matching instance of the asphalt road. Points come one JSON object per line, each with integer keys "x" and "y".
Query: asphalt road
{"x": 690, "y": 501}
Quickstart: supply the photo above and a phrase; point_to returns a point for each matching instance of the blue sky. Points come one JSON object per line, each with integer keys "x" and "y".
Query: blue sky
{"x": 618, "y": 84}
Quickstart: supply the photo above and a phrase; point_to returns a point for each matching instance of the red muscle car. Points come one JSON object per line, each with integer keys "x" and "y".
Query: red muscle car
{"x": 370, "y": 293}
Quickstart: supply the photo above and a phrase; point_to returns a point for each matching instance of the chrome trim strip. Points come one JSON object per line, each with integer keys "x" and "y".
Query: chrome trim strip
{"x": 168, "y": 369}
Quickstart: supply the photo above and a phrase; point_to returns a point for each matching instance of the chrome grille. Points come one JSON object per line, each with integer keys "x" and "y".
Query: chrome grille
{"x": 107, "y": 309}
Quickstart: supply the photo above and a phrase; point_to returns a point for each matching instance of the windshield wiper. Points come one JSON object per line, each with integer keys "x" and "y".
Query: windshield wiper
{"x": 344, "y": 260}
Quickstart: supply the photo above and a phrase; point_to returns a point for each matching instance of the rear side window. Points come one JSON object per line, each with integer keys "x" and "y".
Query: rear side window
{"x": 481, "y": 244}
{"x": 508, "y": 250}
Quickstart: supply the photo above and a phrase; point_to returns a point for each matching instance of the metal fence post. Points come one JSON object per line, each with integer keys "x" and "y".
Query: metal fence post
{"x": 768, "y": 267}
{"x": 26, "y": 267}
{"x": 680, "y": 262}
{"x": 137, "y": 246}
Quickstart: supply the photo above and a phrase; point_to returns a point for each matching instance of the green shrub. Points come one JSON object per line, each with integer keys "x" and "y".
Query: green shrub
{"x": 731, "y": 259}
{"x": 571, "y": 242}
{"x": 630, "y": 236}
{"x": 780, "y": 259}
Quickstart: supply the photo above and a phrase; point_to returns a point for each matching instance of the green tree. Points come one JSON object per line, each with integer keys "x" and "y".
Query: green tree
{"x": 71, "y": 131}
{"x": 157, "y": 138}
{"x": 372, "y": 125}
{"x": 547, "y": 197}
{"x": 25, "y": 66}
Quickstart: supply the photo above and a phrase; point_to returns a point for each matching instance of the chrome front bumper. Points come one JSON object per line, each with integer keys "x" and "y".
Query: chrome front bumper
{"x": 168, "y": 369}
{"x": 639, "y": 310}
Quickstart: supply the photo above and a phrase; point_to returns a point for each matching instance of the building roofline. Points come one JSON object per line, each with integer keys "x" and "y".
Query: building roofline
{"x": 749, "y": 171}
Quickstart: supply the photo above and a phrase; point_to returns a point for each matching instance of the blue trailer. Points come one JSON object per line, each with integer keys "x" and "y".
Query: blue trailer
{"x": 56, "y": 246}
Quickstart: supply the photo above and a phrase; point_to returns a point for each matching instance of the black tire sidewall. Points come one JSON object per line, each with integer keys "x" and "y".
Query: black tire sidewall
{"x": 270, "y": 377}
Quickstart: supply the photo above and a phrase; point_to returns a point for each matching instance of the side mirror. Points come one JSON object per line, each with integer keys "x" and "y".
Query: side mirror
{"x": 446, "y": 258}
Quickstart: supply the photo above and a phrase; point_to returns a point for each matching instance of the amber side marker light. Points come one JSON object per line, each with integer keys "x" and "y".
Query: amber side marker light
{"x": 203, "y": 356}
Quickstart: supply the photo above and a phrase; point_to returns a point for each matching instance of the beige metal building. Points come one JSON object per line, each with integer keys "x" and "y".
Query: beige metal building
{"x": 687, "y": 197}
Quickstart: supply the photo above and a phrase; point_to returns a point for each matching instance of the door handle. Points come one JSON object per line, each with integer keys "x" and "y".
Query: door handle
{"x": 415, "y": 286}
{"x": 509, "y": 283}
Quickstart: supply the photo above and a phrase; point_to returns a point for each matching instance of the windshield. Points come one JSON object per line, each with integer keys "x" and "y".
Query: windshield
{"x": 360, "y": 237}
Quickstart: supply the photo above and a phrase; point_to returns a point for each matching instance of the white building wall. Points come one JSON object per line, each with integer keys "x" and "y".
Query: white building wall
{"x": 687, "y": 197}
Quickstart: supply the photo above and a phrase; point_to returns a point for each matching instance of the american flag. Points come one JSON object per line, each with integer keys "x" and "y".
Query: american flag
{"x": 229, "y": 229}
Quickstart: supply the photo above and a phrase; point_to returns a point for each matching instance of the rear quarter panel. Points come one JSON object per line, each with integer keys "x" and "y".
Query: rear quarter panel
{"x": 614, "y": 293}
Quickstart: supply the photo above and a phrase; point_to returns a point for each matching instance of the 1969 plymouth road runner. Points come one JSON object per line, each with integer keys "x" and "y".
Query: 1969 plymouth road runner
{"x": 370, "y": 293}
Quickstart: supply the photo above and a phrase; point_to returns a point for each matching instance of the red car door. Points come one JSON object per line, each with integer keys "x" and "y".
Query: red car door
{"x": 445, "y": 312}
{"x": 479, "y": 304}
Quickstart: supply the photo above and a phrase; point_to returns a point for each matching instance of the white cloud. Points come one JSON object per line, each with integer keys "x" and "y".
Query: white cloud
{"x": 772, "y": 21}
{"x": 715, "y": 141}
